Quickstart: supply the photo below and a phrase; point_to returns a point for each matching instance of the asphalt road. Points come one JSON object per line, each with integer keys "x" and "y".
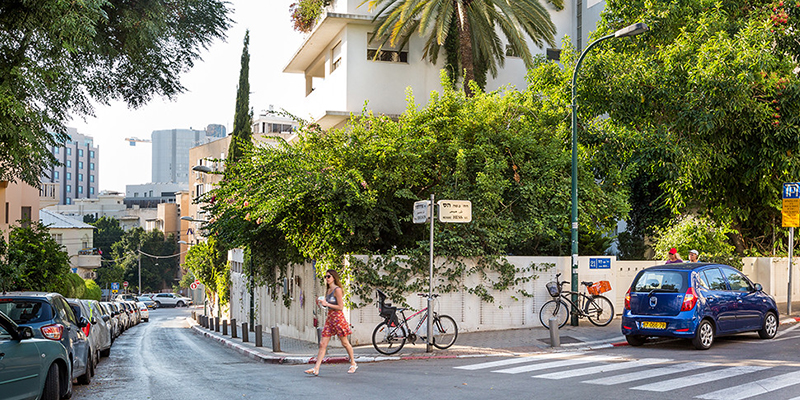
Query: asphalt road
{"x": 164, "y": 359}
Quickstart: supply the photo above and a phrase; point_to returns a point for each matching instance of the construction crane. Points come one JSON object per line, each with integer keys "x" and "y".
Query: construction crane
{"x": 133, "y": 140}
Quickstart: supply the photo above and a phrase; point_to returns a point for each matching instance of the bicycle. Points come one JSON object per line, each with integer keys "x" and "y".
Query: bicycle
{"x": 597, "y": 308}
{"x": 391, "y": 335}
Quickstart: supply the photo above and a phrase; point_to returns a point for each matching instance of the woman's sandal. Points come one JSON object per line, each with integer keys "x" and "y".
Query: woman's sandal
{"x": 352, "y": 369}
{"x": 311, "y": 372}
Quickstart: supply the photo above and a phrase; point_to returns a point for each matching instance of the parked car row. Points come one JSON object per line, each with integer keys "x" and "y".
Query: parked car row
{"x": 47, "y": 341}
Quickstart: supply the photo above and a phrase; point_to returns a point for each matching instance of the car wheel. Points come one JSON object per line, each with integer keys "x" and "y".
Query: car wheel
{"x": 158, "y": 304}
{"x": 180, "y": 304}
{"x": 770, "y": 326}
{"x": 635, "y": 340}
{"x": 704, "y": 337}
{"x": 106, "y": 352}
{"x": 52, "y": 388}
{"x": 147, "y": 320}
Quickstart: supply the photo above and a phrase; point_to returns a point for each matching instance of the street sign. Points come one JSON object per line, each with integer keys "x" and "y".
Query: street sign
{"x": 459, "y": 211}
{"x": 193, "y": 286}
{"x": 125, "y": 284}
{"x": 599, "y": 263}
{"x": 115, "y": 286}
{"x": 790, "y": 210}
{"x": 422, "y": 211}
{"x": 74, "y": 270}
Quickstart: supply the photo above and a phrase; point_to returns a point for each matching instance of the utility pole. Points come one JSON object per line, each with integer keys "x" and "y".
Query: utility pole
{"x": 139, "y": 254}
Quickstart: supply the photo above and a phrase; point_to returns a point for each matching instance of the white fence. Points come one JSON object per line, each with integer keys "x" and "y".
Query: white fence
{"x": 511, "y": 308}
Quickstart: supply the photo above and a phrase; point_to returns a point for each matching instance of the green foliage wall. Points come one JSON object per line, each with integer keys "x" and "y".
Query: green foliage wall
{"x": 32, "y": 260}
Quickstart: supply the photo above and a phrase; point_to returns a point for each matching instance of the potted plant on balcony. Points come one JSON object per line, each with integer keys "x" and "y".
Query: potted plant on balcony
{"x": 306, "y": 12}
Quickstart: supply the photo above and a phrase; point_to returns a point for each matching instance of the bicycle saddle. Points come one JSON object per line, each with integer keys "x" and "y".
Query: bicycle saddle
{"x": 587, "y": 283}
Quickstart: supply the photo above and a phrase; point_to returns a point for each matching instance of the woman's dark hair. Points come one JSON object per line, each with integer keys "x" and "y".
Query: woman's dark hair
{"x": 336, "y": 280}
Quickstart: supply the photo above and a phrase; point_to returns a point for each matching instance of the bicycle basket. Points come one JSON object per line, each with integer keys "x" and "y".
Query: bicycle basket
{"x": 553, "y": 289}
{"x": 599, "y": 287}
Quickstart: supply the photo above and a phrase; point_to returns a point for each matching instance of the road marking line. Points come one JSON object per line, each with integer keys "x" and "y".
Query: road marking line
{"x": 783, "y": 332}
{"x": 650, "y": 373}
{"x": 692, "y": 380}
{"x": 754, "y": 388}
{"x": 518, "y": 360}
{"x": 556, "y": 364}
{"x": 602, "y": 368}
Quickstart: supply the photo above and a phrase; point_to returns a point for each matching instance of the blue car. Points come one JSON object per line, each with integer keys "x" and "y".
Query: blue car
{"x": 697, "y": 301}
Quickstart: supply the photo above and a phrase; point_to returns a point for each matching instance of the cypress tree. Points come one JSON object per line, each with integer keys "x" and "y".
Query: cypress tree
{"x": 242, "y": 131}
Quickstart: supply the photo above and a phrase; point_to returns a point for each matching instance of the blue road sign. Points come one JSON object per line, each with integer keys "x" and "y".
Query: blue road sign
{"x": 599, "y": 263}
{"x": 791, "y": 190}
{"x": 114, "y": 286}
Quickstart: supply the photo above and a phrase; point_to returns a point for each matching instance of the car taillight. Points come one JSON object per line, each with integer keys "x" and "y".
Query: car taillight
{"x": 87, "y": 329}
{"x": 689, "y": 300}
{"x": 628, "y": 299}
{"x": 52, "y": 332}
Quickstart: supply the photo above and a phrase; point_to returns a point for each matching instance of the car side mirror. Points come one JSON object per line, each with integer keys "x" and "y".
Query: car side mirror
{"x": 94, "y": 321}
{"x": 83, "y": 322}
{"x": 106, "y": 318}
{"x": 25, "y": 332}
{"x": 758, "y": 287}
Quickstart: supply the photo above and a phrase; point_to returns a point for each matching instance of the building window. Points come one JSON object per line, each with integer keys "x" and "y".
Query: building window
{"x": 69, "y": 163}
{"x": 7, "y": 213}
{"x": 55, "y": 175}
{"x": 91, "y": 153}
{"x": 80, "y": 152}
{"x": 69, "y": 151}
{"x": 26, "y": 217}
{"x": 336, "y": 56}
{"x": 379, "y": 51}
{"x": 80, "y": 177}
{"x": 91, "y": 178}
{"x": 57, "y": 237}
{"x": 56, "y": 150}
{"x": 69, "y": 188}
{"x": 69, "y": 175}
{"x": 80, "y": 189}
{"x": 554, "y": 54}
{"x": 80, "y": 164}
{"x": 135, "y": 194}
{"x": 69, "y": 200}
{"x": 91, "y": 190}
{"x": 91, "y": 166}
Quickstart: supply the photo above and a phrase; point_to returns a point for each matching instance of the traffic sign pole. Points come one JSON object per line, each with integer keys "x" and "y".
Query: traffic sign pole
{"x": 789, "y": 291}
{"x": 790, "y": 213}
{"x": 429, "y": 347}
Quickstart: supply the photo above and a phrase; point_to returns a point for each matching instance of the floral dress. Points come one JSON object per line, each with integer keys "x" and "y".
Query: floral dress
{"x": 335, "y": 323}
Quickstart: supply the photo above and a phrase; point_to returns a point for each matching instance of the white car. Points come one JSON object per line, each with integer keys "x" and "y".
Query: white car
{"x": 171, "y": 300}
{"x": 144, "y": 312}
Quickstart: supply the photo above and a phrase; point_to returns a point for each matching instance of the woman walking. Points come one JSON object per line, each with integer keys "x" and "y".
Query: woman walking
{"x": 335, "y": 323}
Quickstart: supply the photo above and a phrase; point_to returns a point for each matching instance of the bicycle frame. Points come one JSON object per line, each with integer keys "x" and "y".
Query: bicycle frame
{"x": 422, "y": 319}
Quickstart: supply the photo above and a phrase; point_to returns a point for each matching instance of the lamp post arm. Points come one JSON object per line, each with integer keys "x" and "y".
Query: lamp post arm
{"x": 574, "y": 190}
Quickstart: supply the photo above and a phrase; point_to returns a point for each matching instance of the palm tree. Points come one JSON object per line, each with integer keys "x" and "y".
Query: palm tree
{"x": 467, "y": 30}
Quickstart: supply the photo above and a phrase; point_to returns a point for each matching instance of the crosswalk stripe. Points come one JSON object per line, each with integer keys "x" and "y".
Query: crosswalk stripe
{"x": 651, "y": 373}
{"x": 692, "y": 380}
{"x": 518, "y": 360}
{"x": 556, "y": 364}
{"x": 602, "y": 368}
{"x": 754, "y": 388}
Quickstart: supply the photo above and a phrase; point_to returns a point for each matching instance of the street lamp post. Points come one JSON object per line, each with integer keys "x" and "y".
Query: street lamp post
{"x": 631, "y": 30}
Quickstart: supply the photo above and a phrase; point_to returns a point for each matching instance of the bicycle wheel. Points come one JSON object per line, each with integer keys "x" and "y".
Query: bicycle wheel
{"x": 554, "y": 308}
{"x": 445, "y": 331}
{"x": 388, "y": 339}
{"x": 600, "y": 311}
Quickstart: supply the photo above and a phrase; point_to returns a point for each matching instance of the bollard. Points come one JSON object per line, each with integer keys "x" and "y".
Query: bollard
{"x": 245, "y": 335}
{"x": 211, "y": 324}
{"x": 555, "y": 339}
{"x": 276, "y": 339}
{"x": 319, "y": 335}
{"x": 204, "y": 322}
{"x": 225, "y": 327}
{"x": 216, "y": 324}
{"x": 233, "y": 329}
{"x": 259, "y": 336}
{"x": 194, "y": 315}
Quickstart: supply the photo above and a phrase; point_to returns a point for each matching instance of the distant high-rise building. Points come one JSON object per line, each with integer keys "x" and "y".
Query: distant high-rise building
{"x": 171, "y": 151}
{"x": 79, "y": 172}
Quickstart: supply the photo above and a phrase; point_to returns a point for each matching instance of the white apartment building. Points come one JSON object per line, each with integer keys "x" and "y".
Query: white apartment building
{"x": 77, "y": 239}
{"x": 341, "y": 76}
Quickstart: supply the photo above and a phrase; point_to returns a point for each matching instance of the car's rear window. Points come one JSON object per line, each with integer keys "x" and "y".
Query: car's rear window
{"x": 26, "y": 311}
{"x": 660, "y": 281}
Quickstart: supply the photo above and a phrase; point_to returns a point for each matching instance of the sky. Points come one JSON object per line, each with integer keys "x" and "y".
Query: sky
{"x": 210, "y": 94}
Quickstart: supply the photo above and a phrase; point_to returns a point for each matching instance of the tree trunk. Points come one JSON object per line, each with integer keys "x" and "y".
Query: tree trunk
{"x": 465, "y": 45}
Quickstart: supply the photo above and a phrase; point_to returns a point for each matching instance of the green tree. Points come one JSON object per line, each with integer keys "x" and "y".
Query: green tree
{"x": 32, "y": 260}
{"x": 351, "y": 190}
{"x": 242, "y": 120}
{"x": 705, "y": 236}
{"x": 107, "y": 232}
{"x": 159, "y": 261}
{"x": 93, "y": 291}
{"x": 471, "y": 26}
{"x": 61, "y": 57}
{"x": 706, "y": 101}
{"x": 208, "y": 261}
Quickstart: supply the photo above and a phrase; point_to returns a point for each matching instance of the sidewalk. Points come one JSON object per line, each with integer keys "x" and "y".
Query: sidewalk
{"x": 585, "y": 336}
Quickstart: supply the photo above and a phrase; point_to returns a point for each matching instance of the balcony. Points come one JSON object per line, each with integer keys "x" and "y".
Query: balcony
{"x": 48, "y": 195}
{"x": 87, "y": 261}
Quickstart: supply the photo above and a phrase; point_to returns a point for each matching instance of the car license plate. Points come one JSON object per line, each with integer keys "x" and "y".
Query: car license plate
{"x": 653, "y": 325}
